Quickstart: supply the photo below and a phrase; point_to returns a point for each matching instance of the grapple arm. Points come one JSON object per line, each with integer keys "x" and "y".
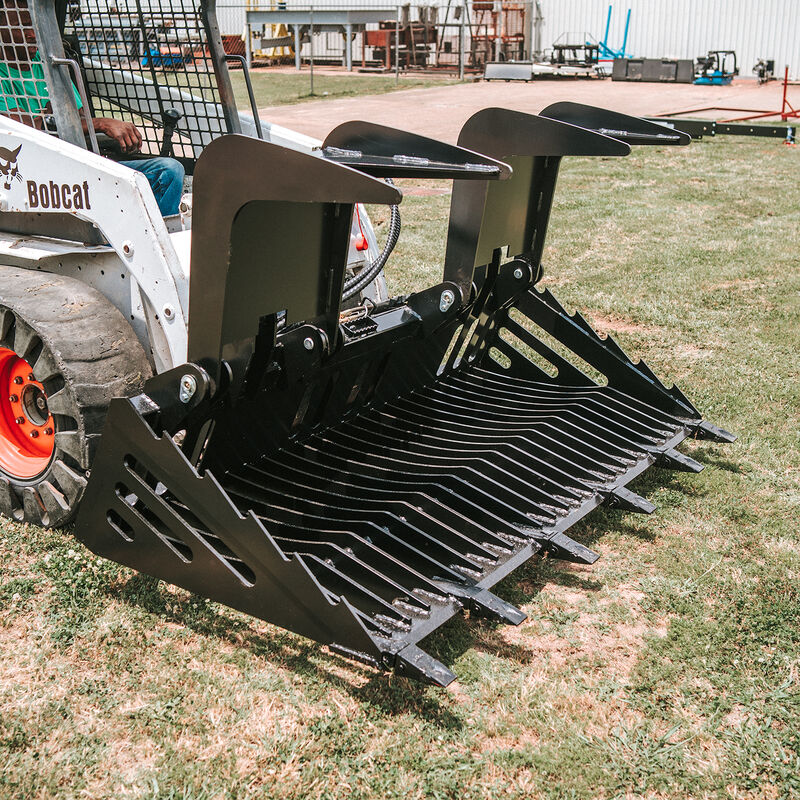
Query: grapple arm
{"x": 633, "y": 130}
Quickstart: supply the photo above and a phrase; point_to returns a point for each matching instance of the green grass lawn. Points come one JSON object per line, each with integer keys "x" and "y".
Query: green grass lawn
{"x": 281, "y": 88}
{"x": 669, "y": 669}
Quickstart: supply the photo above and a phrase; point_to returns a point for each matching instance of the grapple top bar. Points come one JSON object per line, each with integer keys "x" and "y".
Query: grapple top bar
{"x": 500, "y": 132}
{"x": 485, "y": 218}
{"x": 270, "y": 233}
{"x": 633, "y": 130}
{"x": 391, "y": 153}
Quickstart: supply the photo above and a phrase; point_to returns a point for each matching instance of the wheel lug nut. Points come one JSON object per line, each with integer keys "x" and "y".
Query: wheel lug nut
{"x": 19, "y": 420}
{"x": 18, "y": 380}
{"x": 48, "y": 431}
{"x": 13, "y": 399}
{"x": 34, "y": 434}
{"x": 30, "y": 377}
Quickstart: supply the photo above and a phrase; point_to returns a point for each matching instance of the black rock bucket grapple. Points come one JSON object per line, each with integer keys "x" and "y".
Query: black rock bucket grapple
{"x": 360, "y": 479}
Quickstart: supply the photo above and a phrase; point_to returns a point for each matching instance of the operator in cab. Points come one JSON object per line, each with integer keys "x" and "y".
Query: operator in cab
{"x": 25, "y": 98}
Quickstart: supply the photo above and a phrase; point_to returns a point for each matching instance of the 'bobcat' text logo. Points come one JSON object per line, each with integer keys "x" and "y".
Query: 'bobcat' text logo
{"x": 8, "y": 166}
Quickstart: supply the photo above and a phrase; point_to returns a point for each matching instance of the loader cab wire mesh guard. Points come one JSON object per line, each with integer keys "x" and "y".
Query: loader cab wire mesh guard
{"x": 145, "y": 59}
{"x": 361, "y": 482}
{"x": 29, "y": 80}
{"x": 157, "y": 65}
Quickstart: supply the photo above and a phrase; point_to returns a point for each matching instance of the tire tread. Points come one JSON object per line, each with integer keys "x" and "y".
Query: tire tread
{"x": 91, "y": 347}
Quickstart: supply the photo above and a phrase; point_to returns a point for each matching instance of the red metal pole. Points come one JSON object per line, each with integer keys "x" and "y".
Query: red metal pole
{"x": 784, "y": 115}
{"x": 788, "y": 111}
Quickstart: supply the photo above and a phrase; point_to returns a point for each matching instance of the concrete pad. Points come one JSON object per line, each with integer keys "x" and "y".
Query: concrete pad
{"x": 440, "y": 111}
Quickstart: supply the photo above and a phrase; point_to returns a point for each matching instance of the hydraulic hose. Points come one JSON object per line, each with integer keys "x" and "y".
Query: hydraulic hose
{"x": 355, "y": 284}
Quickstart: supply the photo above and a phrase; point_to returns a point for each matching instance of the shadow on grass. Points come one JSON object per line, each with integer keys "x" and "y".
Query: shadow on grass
{"x": 392, "y": 694}
{"x": 710, "y": 458}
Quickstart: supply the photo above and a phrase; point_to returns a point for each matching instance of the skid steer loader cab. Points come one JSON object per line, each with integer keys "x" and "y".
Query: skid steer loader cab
{"x": 101, "y": 59}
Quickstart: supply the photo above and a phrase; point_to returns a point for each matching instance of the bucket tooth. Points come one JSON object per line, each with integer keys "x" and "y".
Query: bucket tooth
{"x": 560, "y": 546}
{"x": 707, "y": 430}
{"x": 672, "y": 459}
{"x": 630, "y": 501}
{"x": 413, "y": 662}
{"x": 483, "y": 602}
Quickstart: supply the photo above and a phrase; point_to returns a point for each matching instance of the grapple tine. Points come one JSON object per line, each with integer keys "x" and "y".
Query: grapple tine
{"x": 412, "y": 662}
{"x": 707, "y": 430}
{"x": 562, "y": 547}
{"x": 362, "y": 484}
{"x": 484, "y": 603}
{"x": 672, "y": 459}
{"x": 630, "y": 501}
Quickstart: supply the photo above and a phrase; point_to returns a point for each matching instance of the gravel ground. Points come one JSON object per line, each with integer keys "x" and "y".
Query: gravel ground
{"x": 441, "y": 111}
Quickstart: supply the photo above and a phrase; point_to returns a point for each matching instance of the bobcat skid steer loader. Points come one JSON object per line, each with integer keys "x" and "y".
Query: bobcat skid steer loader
{"x": 202, "y": 403}
{"x": 68, "y": 212}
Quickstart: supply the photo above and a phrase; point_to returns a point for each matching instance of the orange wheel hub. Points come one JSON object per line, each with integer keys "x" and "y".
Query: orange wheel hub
{"x": 27, "y": 432}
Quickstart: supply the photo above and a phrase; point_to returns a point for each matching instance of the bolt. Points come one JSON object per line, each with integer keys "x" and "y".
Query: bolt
{"x": 18, "y": 380}
{"x": 34, "y": 434}
{"x": 308, "y": 343}
{"x": 168, "y": 311}
{"x": 518, "y": 273}
{"x": 19, "y": 420}
{"x": 41, "y": 403}
{"x": 188, "y": 388}
{"x": 48, "y": 431}
{"x": 446, "y": 300}
{"x": 13, "y": 399}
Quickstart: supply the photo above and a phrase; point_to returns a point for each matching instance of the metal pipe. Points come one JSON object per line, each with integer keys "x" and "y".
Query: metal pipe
{"x": 397, "y": 48}
{"x": 497, "y": 19}
{"x": 538, "y": 19}
{"x": 608, "y": 26}
{"x": 249, "y": 84}
{"x": 625, "y": 36}
{"x": 248, "y": 43}
{"x": 461, "y": 43}
{"x": 311, "y": 44}
{"x": 72, "y": 65}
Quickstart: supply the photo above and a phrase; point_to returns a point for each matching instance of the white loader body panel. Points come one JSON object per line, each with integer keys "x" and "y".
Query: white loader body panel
{"x": 140, "y": 267}
{"x": 138, "y": 270}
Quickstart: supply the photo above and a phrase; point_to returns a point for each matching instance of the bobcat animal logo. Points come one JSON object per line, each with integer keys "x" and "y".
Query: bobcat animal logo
{"x": 8, "y": 166}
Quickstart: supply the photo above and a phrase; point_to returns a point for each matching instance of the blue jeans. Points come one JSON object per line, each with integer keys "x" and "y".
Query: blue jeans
{"x": 165, "y": 176}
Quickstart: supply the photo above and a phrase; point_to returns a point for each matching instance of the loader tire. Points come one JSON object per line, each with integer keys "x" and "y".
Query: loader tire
{"x": 65, "y": 353}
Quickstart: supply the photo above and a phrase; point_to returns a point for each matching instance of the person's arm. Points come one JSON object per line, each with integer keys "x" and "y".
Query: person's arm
{"x": 126, "y": 134}
{"x": 24, "y": 118}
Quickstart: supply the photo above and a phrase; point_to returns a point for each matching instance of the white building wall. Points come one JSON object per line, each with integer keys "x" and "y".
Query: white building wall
{"x": 688, "y": 28}
{"x": 231, "y": 16}
{"x": 659, "y": 28}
